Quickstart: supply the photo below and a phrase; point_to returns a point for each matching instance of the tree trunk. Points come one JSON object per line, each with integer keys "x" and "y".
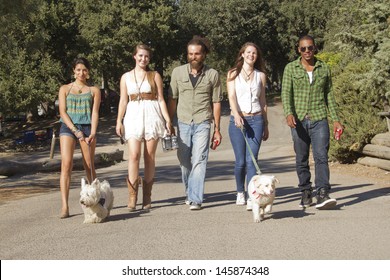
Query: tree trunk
{"x": 377, "y": 151}
{"x": 382, "y": 139}
{"x": 375, "y": 162}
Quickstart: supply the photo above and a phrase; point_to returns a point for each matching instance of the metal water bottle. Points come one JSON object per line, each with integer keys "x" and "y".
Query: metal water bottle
{"x": 174, "y": 144}
{"x": 166, "y": 143}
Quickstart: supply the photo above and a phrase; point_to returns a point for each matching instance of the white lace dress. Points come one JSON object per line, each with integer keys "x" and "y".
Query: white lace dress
{"x": 143, "y": 119}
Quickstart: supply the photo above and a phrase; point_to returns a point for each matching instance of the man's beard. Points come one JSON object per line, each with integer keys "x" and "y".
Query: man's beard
{"x": 196, "y": 64}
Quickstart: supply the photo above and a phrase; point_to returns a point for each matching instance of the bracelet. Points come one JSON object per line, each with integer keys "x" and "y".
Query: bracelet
{"x": 74, "y": 129}
{"x": 77, "y": 131}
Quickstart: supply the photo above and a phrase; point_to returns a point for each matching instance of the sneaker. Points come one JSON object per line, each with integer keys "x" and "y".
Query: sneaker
{"x": 195, "y": 206}
{"x": 240, "y": 198}
{"x": 187, "y": 202}
{"x": 324, "y": 201}
{"x": 249, "y": 205}
{"x": 306, "y": 199}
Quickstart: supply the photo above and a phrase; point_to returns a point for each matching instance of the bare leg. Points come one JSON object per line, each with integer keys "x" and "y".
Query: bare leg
{"x": 149, "y": 171}
{"x": 134, "y": 157}
{"x": 133, "y": 170}
{"x": 67, "y": 149}
{"x": 150, "y": 159}
{"x": 88, "y": 152}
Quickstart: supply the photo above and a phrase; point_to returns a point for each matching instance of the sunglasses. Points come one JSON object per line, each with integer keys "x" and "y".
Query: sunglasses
{"x": 309, "y": 48}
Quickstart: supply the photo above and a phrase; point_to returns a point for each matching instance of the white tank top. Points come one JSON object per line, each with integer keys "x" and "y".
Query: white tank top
{"x": 248, "y": 93}
{"x": 132, "y": 87}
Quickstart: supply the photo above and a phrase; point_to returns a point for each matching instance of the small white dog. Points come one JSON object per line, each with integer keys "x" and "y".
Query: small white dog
{"x": 261, "y": 190}
{"x": 96, "y": 200}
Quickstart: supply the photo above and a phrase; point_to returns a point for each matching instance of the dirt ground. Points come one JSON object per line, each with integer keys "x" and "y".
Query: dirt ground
{"x": 376, "y": 175}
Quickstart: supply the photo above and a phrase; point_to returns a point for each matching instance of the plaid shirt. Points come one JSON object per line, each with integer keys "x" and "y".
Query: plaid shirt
{"x": 300, "y": 98}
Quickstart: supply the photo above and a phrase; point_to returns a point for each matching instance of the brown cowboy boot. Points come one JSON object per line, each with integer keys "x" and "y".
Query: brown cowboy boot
{"x": 147, "y": 195}
{"x": 133, "y": 193}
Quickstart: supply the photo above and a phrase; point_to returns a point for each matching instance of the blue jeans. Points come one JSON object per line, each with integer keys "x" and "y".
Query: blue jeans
{"x": 193, "y": 152}
{"x": 254, "y": 126}
{"x": 317, "y": 134}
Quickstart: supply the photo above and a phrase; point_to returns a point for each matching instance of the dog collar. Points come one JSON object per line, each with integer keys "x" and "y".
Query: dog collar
{"x": 254, "y": 193}
{"x": 101, "y": 201}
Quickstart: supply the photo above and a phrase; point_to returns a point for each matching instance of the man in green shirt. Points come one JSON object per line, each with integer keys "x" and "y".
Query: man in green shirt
{"x": 195, "y": 91}
{"x": 308, "y": 99}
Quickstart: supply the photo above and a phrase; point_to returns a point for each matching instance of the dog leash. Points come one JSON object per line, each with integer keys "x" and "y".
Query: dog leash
{"x": 250, "y": 151}
{"x": 90, "y": 157}
{"x": 102, "y": 200}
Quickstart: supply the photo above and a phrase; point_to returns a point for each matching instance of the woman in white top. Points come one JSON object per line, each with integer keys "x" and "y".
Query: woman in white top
{"x": 246, "y": 90}
{"x": 142, "y": 119}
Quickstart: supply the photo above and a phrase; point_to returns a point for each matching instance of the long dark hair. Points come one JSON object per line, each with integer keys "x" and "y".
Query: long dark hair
{"x": 259, "y": 63}
{"x": 81, "y": 60}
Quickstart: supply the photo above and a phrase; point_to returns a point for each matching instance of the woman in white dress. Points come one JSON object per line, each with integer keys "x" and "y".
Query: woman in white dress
{"x": 142, "y": 119}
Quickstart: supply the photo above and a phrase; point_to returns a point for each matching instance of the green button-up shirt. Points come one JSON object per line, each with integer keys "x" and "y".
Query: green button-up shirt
{"x": 195, "y": 103}
{"x": 301, "y": 98}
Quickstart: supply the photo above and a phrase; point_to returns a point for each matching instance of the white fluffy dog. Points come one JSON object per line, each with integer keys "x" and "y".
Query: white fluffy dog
{"x": 96, "y": 200}
{"x": 261, "y": 190}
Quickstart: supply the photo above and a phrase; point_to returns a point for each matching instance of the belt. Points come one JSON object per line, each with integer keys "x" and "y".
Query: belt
{"x": 251, "y": 114}
{"x": 142, "y": 96}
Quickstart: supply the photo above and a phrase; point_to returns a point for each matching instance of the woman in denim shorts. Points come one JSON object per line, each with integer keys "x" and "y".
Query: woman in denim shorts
{"x": 79, "y": 109}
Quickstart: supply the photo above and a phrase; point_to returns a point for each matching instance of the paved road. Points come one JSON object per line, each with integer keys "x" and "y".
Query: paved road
{"x": 359, "y": 228}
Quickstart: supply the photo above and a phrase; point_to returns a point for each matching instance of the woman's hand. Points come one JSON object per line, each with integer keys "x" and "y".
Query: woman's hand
{"x": 90, "y": 139}
{"x": 170, "y": 128}
{"x": 238, "y": 121}
{"x": 80, "y": 135}
{"x": 119, "y": 129}
{"x": 265, "y": 133}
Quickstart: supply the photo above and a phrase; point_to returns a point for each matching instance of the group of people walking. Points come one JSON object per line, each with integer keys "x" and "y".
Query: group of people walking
{"x": 195, "y": 96}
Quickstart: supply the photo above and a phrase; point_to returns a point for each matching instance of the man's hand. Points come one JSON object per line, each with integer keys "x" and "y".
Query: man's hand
{"x": 290, "y": 119}
{"x": 217, "y": 136}
{"x": 337, "y": 126}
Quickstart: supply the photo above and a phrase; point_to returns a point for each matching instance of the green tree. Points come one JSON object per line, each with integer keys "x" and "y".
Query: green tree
{"x": 113, "y": 28}
{"x": 42, "y": 37}
{"x": 359, "y": 34}
{"x": 274, "y": 25}
{"x": 227, "y": 24}
{"x": 28, "y": 74}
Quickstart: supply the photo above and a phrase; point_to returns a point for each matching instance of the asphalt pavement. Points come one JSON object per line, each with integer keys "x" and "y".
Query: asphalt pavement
{"x": 357, "y": 229}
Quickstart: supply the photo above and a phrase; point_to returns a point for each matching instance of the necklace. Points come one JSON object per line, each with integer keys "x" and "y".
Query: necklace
{"x": 80, "y": 88}
{"x": 136, "y": 83}
{"x": 248, "y": 76}
{"x": 198, "y": 72}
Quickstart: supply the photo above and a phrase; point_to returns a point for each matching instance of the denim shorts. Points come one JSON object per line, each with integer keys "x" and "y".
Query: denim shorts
{"x": 65, "y": 130}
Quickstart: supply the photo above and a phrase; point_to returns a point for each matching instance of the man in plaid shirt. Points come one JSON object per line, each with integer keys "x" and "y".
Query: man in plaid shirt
{"x": 308, "y": 98}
